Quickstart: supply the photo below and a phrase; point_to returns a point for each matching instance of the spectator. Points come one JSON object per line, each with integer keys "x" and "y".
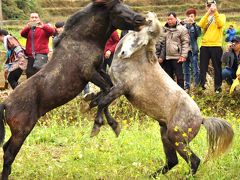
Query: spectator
{"x": 236, "y": 82}
{"x": 231, "y": 59}
{"x": 15, "y": 58}
{"x": 37, "y": 34}
{"x": 161, "y": 50}
{"x": 59, "y": 27}
{"x": 177, "y": 47}
{"x": 123, "y": 33}
{"x": 194, "y": 32}
{"x": 110, "y": 49}
{"x": 231, "y": 32}
{"x": 212, "y": 24}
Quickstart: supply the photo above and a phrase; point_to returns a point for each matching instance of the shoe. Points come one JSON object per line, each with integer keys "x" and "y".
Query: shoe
{"x": 187, "y": 90}
{"x": 6, "y": 85}
{"x": 203, "y": 87}
{"x": 88, "y": 96}
{"x": 218, "y": 90}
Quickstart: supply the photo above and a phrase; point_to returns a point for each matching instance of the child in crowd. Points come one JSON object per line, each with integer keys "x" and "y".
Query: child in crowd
{"x": 231, "y": 32}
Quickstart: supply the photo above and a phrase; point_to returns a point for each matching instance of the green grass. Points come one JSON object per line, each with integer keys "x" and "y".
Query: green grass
{"x": 60, "y": 146}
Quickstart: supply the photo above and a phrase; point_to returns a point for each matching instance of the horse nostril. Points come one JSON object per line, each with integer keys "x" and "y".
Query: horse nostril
{"x": 139, "y": 19}
{"x": 122, "y": 53}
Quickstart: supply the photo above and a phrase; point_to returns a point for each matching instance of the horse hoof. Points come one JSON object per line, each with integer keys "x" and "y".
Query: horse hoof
{"x": 117, "y": 130}
{"x": 154, "y": 175}
{"x": 162, "y": 170}
{"x": 93, "y": 104}
{"x": 95, "y": 131}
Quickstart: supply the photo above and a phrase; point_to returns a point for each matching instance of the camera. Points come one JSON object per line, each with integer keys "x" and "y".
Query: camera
{"x": 210, "y": 2}
{"x": 33, "y": 24}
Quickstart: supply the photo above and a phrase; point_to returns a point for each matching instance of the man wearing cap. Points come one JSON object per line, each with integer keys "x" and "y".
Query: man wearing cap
{"x": 231, "y": 60}
{"x": 212, "y": 24}
{"x": 59, "y": 27}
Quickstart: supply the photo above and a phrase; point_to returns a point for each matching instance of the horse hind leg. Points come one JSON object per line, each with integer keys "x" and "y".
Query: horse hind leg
{"x": 170, "y": 152}
{"x": 181, "y": 144}
{"x": 10, "y": 151}
{"x": 14, "y": 144}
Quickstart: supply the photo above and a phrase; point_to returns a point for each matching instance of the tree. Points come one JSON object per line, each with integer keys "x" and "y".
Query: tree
{"x": 1, "y": 11}
{"x": 18, "y": 9}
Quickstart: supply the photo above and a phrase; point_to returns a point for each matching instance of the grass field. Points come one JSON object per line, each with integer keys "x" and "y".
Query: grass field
{"x": 60, "y": 147}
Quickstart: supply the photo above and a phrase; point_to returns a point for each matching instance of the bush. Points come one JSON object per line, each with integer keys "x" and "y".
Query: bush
{"x": 18, "y": 9}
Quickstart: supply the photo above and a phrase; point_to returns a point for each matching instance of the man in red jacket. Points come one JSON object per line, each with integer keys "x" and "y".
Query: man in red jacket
{"x": 110, "y": 49}
{"x": 37, "y": 35}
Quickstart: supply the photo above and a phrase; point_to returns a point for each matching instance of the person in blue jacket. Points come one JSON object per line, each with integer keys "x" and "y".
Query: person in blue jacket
{"x": 231, "y": 32}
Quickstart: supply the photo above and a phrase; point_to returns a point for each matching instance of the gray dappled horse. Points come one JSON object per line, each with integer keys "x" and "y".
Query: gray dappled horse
{"x": 135, "y": 73}
{"x": 74, "y": 63}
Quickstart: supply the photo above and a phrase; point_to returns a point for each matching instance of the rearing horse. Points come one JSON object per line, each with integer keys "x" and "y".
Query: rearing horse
{"x": 74, "y": 63}
{"x": 136, "y": 74}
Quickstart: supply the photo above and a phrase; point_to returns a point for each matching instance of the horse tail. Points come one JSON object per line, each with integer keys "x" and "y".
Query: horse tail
{"x": 2, "y": 124}
{"x": 219, "y": 135}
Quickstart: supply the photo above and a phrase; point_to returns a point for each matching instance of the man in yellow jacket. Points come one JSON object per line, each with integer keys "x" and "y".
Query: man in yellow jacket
{"x": 212, "y": 24}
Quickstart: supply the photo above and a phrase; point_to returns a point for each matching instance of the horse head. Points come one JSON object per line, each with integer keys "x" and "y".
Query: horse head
{"x": 121, "y": 17}
{"x": 134, "y": 41}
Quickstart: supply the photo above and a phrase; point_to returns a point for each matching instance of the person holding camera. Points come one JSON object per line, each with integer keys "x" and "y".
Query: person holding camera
{"x": 231, "y": 32}
{"x": 59, "y": 27}
{"x": 212, "y": 24}
{"x": 231, "y": 59}
{"x": 37, "y": 34}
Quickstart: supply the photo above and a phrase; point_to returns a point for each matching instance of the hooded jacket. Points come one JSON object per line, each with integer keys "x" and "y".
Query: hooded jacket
{"x": 177, "y": 41}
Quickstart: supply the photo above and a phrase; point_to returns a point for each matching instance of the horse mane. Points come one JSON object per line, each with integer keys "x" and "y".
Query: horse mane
{"x": 142, "y": 40}
{"x": 72, "y": 20}
{"x": 78, "y": 16}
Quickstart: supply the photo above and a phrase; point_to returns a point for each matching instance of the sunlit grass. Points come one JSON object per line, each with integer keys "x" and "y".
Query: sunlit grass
{"x": 57, "y": 149}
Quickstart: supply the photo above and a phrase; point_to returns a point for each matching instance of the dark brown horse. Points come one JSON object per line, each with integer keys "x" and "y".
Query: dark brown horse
{"x": 149, "y": 88}
{"x": 74, "y": 63}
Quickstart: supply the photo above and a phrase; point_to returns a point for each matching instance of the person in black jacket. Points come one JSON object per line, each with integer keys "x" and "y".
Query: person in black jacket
{"x": 231, "y": 59}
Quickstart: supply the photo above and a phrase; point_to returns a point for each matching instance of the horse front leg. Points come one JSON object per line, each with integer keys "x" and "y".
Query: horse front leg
{"x": 99, "y": 81}
{"x": 112, "y": 122}
{"x": 170, "y": 152}
{"x": 106, "y": 77}
{"x": 103, "y": 103}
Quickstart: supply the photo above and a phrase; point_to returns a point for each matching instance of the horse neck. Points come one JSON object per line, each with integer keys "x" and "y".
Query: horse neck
{"x": 91, "y": 24}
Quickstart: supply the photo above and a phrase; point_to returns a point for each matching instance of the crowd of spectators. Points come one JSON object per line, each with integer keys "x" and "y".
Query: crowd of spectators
{"x": 178, "y": 52}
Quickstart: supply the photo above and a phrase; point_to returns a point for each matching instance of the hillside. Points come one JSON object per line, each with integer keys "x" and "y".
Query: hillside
{"x": 61, "y": 9}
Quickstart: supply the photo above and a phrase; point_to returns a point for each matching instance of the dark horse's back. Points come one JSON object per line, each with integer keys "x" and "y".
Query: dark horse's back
{"x": 57, "y": 83}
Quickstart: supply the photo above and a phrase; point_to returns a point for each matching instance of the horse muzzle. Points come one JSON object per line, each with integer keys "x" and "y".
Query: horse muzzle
{"x": 139, "y": 21}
